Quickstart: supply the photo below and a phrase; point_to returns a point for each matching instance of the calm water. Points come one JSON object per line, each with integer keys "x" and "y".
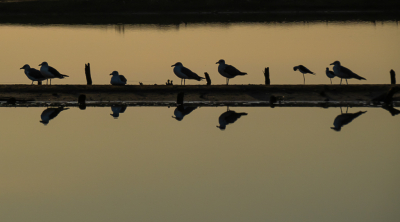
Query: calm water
{"x": 145, "y": 53}
{"x": 158, "y": 164}
{"x": 280, "y": 164}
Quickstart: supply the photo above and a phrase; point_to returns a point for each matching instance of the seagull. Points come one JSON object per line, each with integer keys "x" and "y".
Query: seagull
{"x": 50, "y": 72}
{"x": 117, "y": 79}
{"x": 345, "y": 118}
{"x": 33, "y": 74}
{"x": 228, "y": 117}
{"x": 50, "y": 113}
{"x": 185, "y": 73}
{"x": 330, "y": 74}
{"x": 228, "y": 71}
{"x": 181, "y": 111}
{"x": 344, "y": 73}
{"x": 117, "y": 110}
{"x": 303, "y": 70}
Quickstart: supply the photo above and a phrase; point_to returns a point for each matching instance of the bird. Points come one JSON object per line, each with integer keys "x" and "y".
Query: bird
{"x": 228, "y": 71}
{"x": 228, "y": 117}
{"x": 185, "y": 73}
{"x": 50, "y": 113}
{"x": 117, "y": 79}
{"x": 330, "y": 74}
{"x": 181, "y": 111}
{"x": 344, "y": 73}
{"x": 303, "y": 70}
{"x": 117, "y": 110}
{"x": 50, "y": 72}
{"x": 344, "y": 119}
{"x": 33, "y": 74}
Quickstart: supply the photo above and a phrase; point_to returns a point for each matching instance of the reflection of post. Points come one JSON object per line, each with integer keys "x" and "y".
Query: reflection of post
{"x": 392, "y": 77}
{"x": 82, "y": 101}
{"x": 208, "y": 78}
{"x": 87, "y": 73}
{"x": 266, "y": 74}
{"x": 179, "y": 99}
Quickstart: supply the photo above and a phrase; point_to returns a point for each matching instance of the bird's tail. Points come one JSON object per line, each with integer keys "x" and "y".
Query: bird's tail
{"x": 64, "y": 75}
{"x": 242, "y": 73}
{"x": 243, "y": 114}
{"x": 359, "y": 77}
{"x": 199, "y": 78}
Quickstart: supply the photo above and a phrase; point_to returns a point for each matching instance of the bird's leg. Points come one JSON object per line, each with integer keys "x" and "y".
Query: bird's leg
{"x": 184, "y": 81}
{"x": 347, "y": 109}
{"x": 32, "y": 83}
{"x": 50, "y": 81}
{"x": 331, "y": 81}
{"x": 341, "y": 112}
{"x": 347, "y": 82}
{"x": 304, "y": 79}
{"x": 341, "y": 81}
{"x": 181, "y": 81}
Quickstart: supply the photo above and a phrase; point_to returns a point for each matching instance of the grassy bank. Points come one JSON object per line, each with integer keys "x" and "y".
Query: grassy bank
{"x": 117, "y": 6}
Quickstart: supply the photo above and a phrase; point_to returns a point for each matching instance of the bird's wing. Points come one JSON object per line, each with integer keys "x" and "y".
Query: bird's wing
{"x": 346, "y": 70}
{"x": 305, "y": 69}
{"x": 190, "y": 74}
{"x": 54, "y": 71}
{"x": 122, "y": 78}
{"x": 36, "y": 74}
{"x": 231, "y": 70}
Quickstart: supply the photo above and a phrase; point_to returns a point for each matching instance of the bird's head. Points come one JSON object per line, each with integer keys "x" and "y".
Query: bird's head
{"x": 44, "y": 122}
{"x": 114, "y": 73}
{"x": 335, "y": 63}
{"x": 221, "y": 127}
{"x": 295, "y": 68}
{"x": 177, "y": 64}
{"x": 26, "y": 66}
{"x": 221, "y": 61}
{"x": 43, "y": 64}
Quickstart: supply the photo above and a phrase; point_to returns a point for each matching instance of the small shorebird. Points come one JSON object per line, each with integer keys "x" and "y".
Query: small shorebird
{"x": 33, "y": 74}
{"x": 303, "y": 70}
{"x": 228, "y": 71}
{"x": 185, "y": 73}
{"x": 117, "y": 79}
{"x": 344, "y": 73}
{"x": 181, "y": 111}
{"x": 330, "y": 74}
{"x": 117, "y": 110}
{"x": 50, "y": 72}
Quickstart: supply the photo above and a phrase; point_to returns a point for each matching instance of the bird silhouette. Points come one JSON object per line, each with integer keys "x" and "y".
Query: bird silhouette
{"x": 330, "y": 74}
{"x": 228, "y": 117}
{"x": 344, "y": 73}
{"x": 33, "y": 74}
{"x": 228, "y": 71}
{"x": 50, "y": 72}
{"x": 344, "y": 119}
{"x": 181, "y": 111}
{"x": 117, "y": 110}
{"x": 117, "y": 79}
{"x": 50, "y": 113}
{"x": 303, "y": 70}
{"x": 185, "y": 73}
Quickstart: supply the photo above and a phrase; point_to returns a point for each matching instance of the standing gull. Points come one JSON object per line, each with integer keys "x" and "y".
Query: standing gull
{"x": 344, "y": 73}
{"x": 185, "y": 73}
{"x": 330, "y": 74}
{"x": 50, "y": 113}
{"x": 50, "y": 72}
{"x": 228, "y": 71}
{"x": 117, "y": 79}
{"x": 33, "y": 74}
{"x": 344, "y": 119}
{"x": 228, "y": 117}
{"x": 303, "y": 70}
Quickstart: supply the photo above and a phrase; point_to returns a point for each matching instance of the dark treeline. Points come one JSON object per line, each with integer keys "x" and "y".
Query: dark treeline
{"x": 115, "y": 6}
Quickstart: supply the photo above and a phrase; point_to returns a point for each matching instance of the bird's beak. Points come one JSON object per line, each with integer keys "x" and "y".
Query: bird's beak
{"x": 111, "y": 74}
{"x": 332, "y": 64}
{"x": 40, "y": 64}
{"x": 173, "y": 65}
{"x": 217, "y": 62}
{"x": 22, "y": 68}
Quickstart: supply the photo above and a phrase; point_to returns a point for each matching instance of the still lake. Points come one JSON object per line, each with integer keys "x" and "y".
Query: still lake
{"x": 273, "y": 164}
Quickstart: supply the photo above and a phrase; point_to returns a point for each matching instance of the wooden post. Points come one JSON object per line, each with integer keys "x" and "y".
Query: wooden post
{"x": 392, "y": 77}
{"x": 87, "y": 73}
{"x": 208, "y": 78}
{"x": 39, "y": 83}
{"x": 82, "y": 101}
{"x": 179, "y": 99}
{"x": 266, "y": 74}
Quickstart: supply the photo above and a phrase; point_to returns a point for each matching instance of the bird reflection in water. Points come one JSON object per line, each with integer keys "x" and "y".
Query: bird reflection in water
{"x": 345, "y": 118}
{"x": 117, "y": 110}
{"x": 181, "y": 111}
{"x": 50, "y": 113}
{"x": 228, "y": 117}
